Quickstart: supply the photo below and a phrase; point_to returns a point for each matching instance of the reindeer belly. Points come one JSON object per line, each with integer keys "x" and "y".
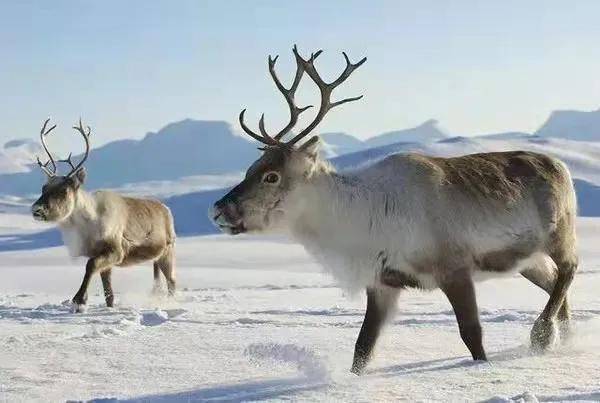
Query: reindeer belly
{"x": 135, "y": 254}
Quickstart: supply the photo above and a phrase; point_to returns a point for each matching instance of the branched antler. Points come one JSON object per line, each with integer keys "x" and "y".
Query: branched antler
{"x": 325, "y": 88}
{"x": 86, "y": 137}
{"x": 45, "y": 166}
{"x": 74, "y": 168}
{"x": 289, "y": 94}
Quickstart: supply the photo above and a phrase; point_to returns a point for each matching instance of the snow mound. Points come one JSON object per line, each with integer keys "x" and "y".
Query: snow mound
{"x": 154, "y": 318}
{"x": 526, "y": 397}
{"x": 305, "y": 360}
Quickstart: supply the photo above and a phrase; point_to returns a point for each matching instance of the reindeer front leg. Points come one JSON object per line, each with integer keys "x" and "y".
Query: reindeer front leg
{"x": 110, "y": 256}
{"x": 380, "y": 303}
{"x": 460, "y": 291}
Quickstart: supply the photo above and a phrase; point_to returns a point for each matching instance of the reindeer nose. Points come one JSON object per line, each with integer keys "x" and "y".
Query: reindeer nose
{"x": 214, "y": 213}
{"x": 225, "y": 212}
{"x": 37, "y": 211}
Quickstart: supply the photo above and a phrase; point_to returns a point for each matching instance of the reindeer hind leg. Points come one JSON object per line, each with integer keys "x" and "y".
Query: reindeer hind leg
{"x": 166, "y": 264}
{"x": 157, "y": 286}
{"x": 107, "y": 286}
{"x": 544, "y": 274}
{"x": 544, "y": 329}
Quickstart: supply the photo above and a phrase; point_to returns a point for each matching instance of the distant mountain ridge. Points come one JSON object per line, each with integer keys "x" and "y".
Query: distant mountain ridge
{"x": 180, "y": 149}
{"x": 427, "y": 132}
{"x": 191, "y": 147}
{"x": 189, "y": 209}
{"x": 574, "y": 125}
{"x": 336, "y": 144}
{"x": 17, "y": 155}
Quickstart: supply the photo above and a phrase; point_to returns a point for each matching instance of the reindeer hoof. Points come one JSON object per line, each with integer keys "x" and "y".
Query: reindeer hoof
{"x": 78, "y": 305}
{"x": 564, "y": 327}
{"x": 358, "y": 366}
{"x": 157, "y": 290}
{"x": 543, "y": 335}
{"x": 79, "y": 308}
{"x": 356, "y": 370}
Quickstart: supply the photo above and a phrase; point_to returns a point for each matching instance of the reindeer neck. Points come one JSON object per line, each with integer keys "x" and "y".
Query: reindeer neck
{"x": 83, "y": 211}
{"x": 327, "y": 202}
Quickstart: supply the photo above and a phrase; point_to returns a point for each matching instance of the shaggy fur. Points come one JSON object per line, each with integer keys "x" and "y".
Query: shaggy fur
{"x": 109, "y": 229}
{"x": 418, "y": 221}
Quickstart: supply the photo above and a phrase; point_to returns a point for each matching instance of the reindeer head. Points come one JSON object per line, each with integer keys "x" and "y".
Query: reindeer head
{"x": 258, "y": 203}
{"x": 59, "y": 193}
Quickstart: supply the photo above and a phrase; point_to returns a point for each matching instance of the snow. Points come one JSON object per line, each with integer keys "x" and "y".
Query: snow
{"x": 255, "y": 318}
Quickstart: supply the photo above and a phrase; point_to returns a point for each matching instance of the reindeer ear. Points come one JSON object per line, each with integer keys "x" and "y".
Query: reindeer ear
{"x": 311, "y": 147}
{"x": 79, "y": 176}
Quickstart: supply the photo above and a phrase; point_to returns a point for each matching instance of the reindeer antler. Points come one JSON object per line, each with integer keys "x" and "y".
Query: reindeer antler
{"x": 44, "y": 166}
{"x": 325, "y": 88}
{"x": 74, "y": 168}
{"x": 289, "y": 94}
{"x": 86, "y": 137}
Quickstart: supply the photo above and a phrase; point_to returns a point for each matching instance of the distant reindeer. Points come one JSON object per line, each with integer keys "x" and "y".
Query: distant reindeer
{"x": 412, "y": 221}
{"x": 109, "y": 229}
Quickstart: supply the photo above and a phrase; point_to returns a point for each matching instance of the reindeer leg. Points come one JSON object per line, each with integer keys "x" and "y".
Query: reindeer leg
{"x": 461, "y": 293}
{"x": 545, "y": 276}
{"x": 80, "y": 297}
{"x": 543, "y": 332}
{"x": 156, "y": 288}
{"x": 107, "y": 285}
{"x": 380, "y": 302}
{"x": 166, "y": 264}
{"x": 111, "y": 256}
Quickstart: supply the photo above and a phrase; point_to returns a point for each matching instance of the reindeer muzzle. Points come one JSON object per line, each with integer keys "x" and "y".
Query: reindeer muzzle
{"x": 38, "y": 212}
{"x": 226, "y": 215}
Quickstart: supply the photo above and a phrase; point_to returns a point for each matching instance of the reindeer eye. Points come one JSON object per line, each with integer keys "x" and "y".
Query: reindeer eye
{"x": 271, "y": 177}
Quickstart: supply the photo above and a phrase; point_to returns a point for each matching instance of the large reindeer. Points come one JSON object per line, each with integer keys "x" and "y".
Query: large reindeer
{"x": 109, "y": 229}
{"x": 412, "y": 221}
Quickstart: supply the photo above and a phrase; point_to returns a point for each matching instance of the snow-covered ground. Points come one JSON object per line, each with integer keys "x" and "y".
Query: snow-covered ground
{"x": 256, "y": 319}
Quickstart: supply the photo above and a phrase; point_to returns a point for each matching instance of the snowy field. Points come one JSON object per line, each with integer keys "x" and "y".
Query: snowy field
{"x": 256, "y": 319}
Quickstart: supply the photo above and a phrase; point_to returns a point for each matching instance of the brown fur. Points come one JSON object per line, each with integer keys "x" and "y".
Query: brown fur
{"x": 110, "y": 229}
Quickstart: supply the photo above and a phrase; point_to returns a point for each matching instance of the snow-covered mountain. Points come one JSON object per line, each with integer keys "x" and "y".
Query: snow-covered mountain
{"x": 188, "y": 163}
{"x": 335, "y": 144}
{"x": 424, "y": 133}
{"x": 18, "y": 155}
{"x": 583, "y": 158}
{"x": 181, "y": 149}
{"x": 574, "y": 125}
{"x": 506, "y": 135}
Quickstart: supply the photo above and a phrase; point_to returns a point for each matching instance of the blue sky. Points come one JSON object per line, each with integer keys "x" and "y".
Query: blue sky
{"x": 129, "y": 67}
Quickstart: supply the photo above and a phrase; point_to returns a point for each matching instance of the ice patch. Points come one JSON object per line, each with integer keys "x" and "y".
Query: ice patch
{"x": 305, "y": 360}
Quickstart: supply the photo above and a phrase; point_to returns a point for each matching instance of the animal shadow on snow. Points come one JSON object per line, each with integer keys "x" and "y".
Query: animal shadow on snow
{"x": 576, "y": 397}
{"x": 444, "y": 364}
{"x": 30, "y": 241}
{"x": 61, "y": 314}
{"x": 237, "y": 392}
